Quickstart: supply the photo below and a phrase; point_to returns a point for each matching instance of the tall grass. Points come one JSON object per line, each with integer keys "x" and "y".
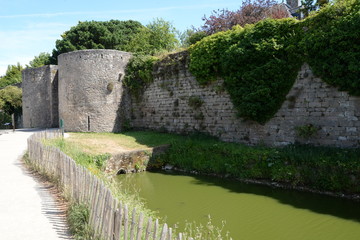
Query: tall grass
{"x": 95, "y": 164}
{"x": 322, "y": 168}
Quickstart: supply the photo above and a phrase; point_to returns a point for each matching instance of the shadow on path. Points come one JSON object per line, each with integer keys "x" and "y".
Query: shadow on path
{"x": 53, "y": 206}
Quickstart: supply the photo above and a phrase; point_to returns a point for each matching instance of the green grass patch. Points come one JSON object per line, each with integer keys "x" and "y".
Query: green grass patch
{"x": 78, "y": 221}
{"x": 322, "y": 168}
{"x": 95, "y": 164}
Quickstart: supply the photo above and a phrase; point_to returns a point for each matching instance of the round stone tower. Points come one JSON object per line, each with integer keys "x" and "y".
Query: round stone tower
{"x": 91, "y": 93}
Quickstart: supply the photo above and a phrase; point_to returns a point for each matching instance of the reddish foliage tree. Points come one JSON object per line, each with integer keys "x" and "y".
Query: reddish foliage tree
{"x": 250, "y": 12}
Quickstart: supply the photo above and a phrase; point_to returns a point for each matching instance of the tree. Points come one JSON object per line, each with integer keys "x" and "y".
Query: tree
{"x": 307, "y": 6}
{"x": 163, "y": 35}
{"x": 159, "y": 35}
{"x": 311, "y": 5}
{"x": 13, "y": 75}
{"x": 250, "y": 12}
{"x": 192, "y": 37}
{"x": 113, "y": 34}
{"x": 39, "y": 61}
{"x": 322, "y": 3}
{"x": 11, "y": 99}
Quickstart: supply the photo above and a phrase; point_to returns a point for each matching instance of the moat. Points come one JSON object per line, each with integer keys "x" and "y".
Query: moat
{"x": 250, "y": 211}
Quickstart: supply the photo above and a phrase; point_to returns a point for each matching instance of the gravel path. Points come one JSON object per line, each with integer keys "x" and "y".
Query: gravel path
{"x": 27, "y": 209}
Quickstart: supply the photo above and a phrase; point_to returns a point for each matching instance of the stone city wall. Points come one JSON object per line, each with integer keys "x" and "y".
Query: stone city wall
{"x": 91, "y": 91}
{"x": 40, "y": 97}
{"x": 168, "y": 104}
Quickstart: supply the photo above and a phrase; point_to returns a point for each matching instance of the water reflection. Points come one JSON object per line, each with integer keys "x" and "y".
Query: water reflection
{"x": 251, "y": 211}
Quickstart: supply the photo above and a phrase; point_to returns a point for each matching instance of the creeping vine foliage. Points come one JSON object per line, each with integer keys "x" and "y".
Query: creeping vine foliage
{"x": 332, "y": 45}
{"x": 259, "y": 63}
{"x": 256, "y": 63}
{"x": 138, "y": 73}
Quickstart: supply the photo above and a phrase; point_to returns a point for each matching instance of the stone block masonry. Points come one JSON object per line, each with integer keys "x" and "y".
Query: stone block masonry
{"x": 91, "y": 91}
{"x": 88, "y": 94}
{"x": 40, "y": 97}
{"x": 311, "y": 102}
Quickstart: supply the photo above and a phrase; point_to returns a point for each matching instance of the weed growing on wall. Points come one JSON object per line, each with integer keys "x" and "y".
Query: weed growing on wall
{"x": 195, "y": 102}
{"x": 306, "y": 131}
{"x": 138, "y": 73}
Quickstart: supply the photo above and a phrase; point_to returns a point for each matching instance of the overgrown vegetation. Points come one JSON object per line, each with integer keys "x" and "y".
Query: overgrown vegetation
{"x": 259, "y": 62}
{"x": 331, "y": 44}
{"x": 94, "y": 162}
{"x": 306, "y": 131}
{"x": 250, "y": 12}
{"x": 195, "y": 102}
{"x": 40, "y": 60}
{"x": 78, "y": 214}
{"x": 322, "y": 168}
{"x": 131, "y": 36}
{"x": 12, "y": 76}
{"x": 78, "y": 221}
{"x": 138, "y": 73}
{"x": 11, "y": 100}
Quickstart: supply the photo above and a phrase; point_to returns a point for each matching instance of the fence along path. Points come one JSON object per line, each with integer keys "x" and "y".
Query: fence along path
{"x": 111, "y": 219}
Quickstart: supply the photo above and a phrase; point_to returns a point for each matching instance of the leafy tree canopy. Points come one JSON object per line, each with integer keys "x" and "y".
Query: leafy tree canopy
{"x": 128, "y": 35}
{"x": 159, "y": 35}
{"x": 191, "y": 36}
{"x": 309, "y": 6}
{"x": 113, "y": 34}
{"x": 13, "y": 75}
{"x": 250, "y": 12}
{"x": 11, "y": 99}
{"x": 39, "y": 61}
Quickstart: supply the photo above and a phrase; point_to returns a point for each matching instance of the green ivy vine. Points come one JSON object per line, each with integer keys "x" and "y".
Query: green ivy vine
{"x": 259, "y": 63}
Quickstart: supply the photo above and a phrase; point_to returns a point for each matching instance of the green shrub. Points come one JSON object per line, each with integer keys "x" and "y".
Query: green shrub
{"x": 78, "y": 221}
{"x": 138, "y": 73}
{"x": 258, "y": 63}
{"x": 306, "y": 131}
{"x": 195, "y": 102}
{"x": 332, "y": 44}
{"x": 322, "y": 168}
{"x": 195, "y": 37}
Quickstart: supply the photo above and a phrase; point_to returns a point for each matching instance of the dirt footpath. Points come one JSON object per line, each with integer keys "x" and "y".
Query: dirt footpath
{"x": 28, "y": 211}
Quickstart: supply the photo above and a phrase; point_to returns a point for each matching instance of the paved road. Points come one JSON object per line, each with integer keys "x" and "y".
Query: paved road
{"x": 27, "y": 210}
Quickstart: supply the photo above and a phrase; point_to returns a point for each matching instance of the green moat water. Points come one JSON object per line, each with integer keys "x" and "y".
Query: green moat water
{"x": 250, "y": 211}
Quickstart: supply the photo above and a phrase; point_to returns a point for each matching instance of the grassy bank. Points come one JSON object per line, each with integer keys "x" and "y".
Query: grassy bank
{"x": 90, "y": 150}
{"x": 95, "y": 162}
{"x": 321, "y": 168}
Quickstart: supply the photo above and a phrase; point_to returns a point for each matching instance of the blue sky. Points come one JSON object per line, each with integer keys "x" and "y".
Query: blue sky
{"x": 28, "y": 28}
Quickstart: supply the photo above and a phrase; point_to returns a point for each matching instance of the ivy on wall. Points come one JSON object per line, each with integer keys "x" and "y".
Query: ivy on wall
{"x": 258, "y": 63}
{"x": 332, "y": 45}
{"x": 138, "y": 73}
